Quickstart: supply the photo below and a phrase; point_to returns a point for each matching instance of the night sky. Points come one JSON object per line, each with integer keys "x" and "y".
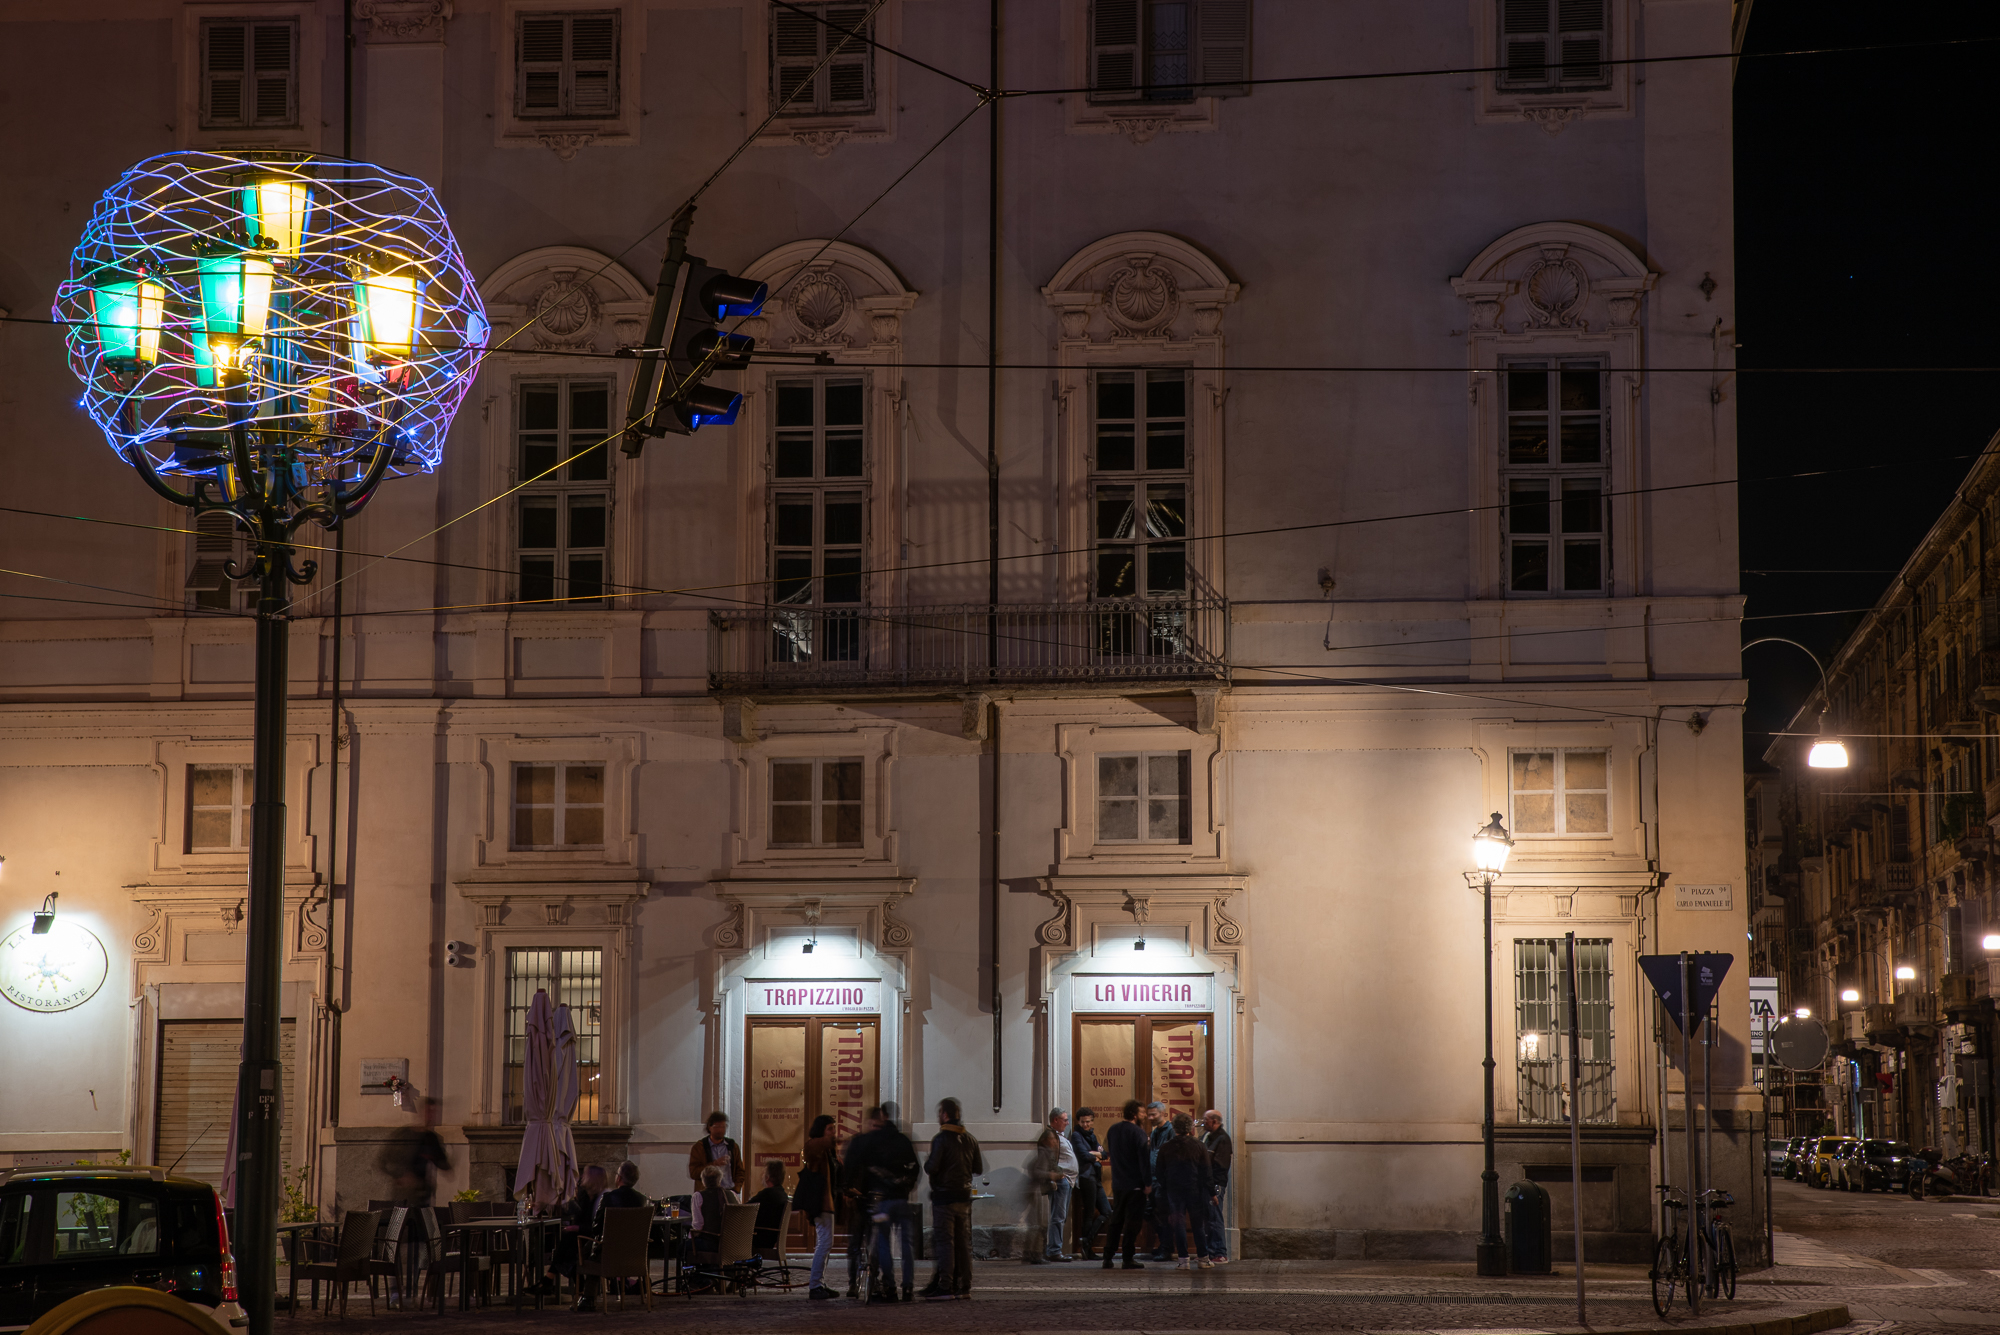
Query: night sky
{"x": 1864, "y": 230}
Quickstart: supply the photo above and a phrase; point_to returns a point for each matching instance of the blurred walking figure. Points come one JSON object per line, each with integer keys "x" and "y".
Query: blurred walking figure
{"x": 1221, "y": 1152}
{"x": 813, "y": 1198}
{"x": 1088, "y": 1199}
{"x": 954, "y": 1161}
{"x": 1132, "y": 1177}
{"x": 1044, "y": 1172}
{"x": 882, "y": 1169}
{"x": 1063, "y": 1186}
{"x": 1188, "y": 1183}
{"x": 1159, "y": 1130}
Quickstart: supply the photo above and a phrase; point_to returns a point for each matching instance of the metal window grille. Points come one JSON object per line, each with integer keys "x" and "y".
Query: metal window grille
{"x": 818, "y": 524}
{"x": 1541, "y": 1028}
{"x": 566, "y": 66}
{"x": 573, "y": 978}
{"x": 563, "y": 517}
{"x": 816, "y": 803}
{"x": 1555, "y": 471}
{"x": 800, "y": 41}
{"x": 249, "y": 73}
{"x": 219, "y": 808}
{"x": 1550, "y": 45}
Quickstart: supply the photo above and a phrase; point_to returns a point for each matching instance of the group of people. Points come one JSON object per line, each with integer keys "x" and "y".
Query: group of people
{"x": 1166, "y": 1175}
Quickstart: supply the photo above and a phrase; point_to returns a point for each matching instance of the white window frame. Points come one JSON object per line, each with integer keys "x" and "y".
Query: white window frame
{"x": 566, "y": 67}
{"x": 560, "y": 806}
{"x": 563, "y": 490}
{"x": 1183, "y": 800}
{"x": 821, "y": 131}
{"x": 171, "y": 762}
{"x": 309, "y": 51}
{"x": 1552, "y": 108}
{"x": 496, "y": 755}
{"x": 1079, "y": 845}
{"x": 751, "y": 847}
{"x": 239, "y": 820}
{"x": 1561, "y": 790}
{"x": 817, "y": 801}
{"x": 566, "y": 136}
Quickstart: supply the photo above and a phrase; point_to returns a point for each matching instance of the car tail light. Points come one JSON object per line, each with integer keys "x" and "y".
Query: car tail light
{"x": 228, "y": 1258}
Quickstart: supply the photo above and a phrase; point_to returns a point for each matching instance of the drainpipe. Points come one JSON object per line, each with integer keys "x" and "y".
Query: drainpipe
{"x": 993, "y": 503}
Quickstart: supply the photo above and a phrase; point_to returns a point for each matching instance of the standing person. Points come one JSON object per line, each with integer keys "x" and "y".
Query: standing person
{"x": 1159, "y": 1130}
{"x": 1221, "y": 1152}
{"x": 1043, "y": 1173}
{"x": 1132, "y": 1178}
{"x": 718, "y": 1149}
{"x": 882, "y": 1167}
{"x": 1187, "y": 1183}
{"x": 954, "y": 1161}
{"x": 850, "y": 1203}
{"x": 1064, "y": 1185}
{"x": 1089, "y": 1203}
{"x": 813, "y": 1198}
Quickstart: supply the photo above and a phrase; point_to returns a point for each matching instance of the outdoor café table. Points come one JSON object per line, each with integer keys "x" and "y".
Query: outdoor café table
{"x": 530, "y": 1237}
{"x": 670, "y": 1233}
{"x": 288, "y": 1244}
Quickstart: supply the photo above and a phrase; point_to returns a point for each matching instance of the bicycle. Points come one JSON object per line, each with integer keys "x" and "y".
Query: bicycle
{"x": 1670, "y": 1257}
{"x": 1718, "y": 1246}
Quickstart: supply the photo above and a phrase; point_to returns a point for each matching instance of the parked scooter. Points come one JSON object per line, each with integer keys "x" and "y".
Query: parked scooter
{"x": 1929, "y": 1176}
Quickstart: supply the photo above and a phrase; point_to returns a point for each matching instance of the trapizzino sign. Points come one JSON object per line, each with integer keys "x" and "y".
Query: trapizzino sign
{"x": 1126, "y": 992}
{"x": 814, "y": 997}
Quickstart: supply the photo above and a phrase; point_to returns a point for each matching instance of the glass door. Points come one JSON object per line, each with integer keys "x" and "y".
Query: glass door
{"x": 1118, "y": 1057}
{"x": 797, "y": 1069}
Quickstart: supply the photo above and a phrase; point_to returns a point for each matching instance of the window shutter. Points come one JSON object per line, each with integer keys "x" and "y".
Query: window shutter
{"x": 1114, "y": 50}
{"x": 1580, "y": 32}
{"x": 273, "y": 69}
{"x": 594, "y": 64}
{"x": 794, "y": 51}
{"x": 1222, "y": 48}
{"x": 848, "y": 76}
{"x": 1524, "y": 43}
{"x": 225, "y": 61}
{"x": 538, "y": 65}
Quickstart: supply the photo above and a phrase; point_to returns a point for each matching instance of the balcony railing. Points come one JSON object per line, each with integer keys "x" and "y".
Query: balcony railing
{"x": 777, "y": 648}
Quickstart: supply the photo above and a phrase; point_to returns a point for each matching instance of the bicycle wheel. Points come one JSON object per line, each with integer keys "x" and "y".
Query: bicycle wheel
{"x": 1701, "y": 1268}
{"x": 1725, "y": 1261}
{"x": 1666, "y": 1270}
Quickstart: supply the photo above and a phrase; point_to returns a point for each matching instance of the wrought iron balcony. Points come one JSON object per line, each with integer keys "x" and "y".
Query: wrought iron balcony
{"x": 815, "y": 648}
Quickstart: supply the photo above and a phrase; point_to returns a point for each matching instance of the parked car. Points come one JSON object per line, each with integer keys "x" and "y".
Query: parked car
{"x": 1819, "y": 1168}
{"x": 66, "y": 1231}
{"x": 1775, "y": 1154}
{"x": 1878, "y": 1165}
{"x": 1795, "y": 1157}
{"x": 1843, "y": 1169}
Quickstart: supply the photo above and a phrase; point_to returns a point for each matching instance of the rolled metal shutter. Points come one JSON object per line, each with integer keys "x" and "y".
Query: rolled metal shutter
{"x": 198, "y": 1062}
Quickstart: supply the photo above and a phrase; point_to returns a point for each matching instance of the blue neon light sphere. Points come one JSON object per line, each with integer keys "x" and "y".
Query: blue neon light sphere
{"x": 322, "y": 302}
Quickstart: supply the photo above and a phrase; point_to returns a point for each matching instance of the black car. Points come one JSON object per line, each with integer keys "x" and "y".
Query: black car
{"x": 1880, "y": 1165}
{"x": 66, "y": 1231}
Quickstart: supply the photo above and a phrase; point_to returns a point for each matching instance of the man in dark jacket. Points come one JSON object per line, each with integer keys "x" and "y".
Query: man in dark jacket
{"x": 625, "y": 1195}
{"x": 1091, "y": 1207}
{"x": 1183, "y": 1176}
{"x": 879, "y": 1173}
{"x": 953, "y": 1163}
{"x": 1159, "y": 1130}
{"x": 1132, "y": 1179}
{"x": 579, "y": 1216}
{"x": 1221, "y": 1152}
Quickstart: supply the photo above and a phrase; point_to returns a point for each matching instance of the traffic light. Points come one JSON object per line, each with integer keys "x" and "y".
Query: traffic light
{"x": 690, "y": 302}
{"x": 698, "y": 346}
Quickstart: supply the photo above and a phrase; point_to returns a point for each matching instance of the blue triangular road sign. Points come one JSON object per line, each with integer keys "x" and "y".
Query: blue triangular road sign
{"x": 1705, "y": 974}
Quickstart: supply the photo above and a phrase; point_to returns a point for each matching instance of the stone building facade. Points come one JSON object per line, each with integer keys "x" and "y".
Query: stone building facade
{"x": 1336, "y": 509}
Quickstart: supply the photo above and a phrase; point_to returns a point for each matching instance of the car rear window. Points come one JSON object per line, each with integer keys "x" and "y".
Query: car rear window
{"x": 14, "y": 1228}
{"x": 103, "y": 1221}
{"x": 190, "y": 1225}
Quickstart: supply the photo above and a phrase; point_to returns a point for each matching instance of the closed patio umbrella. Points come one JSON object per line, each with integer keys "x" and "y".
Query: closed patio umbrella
{"x": 548, "y": 1155}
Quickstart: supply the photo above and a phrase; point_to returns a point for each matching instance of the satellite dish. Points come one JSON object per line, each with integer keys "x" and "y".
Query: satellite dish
{"x": 1799, "y": 1045}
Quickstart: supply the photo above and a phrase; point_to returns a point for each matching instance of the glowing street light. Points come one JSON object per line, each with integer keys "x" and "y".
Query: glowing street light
{"x": 1828, "y": 751}
{"x": 1490, "y": 846}
{"x": 1849, "y": 994}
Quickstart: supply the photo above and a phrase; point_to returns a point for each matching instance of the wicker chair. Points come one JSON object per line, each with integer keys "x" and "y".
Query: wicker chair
{"x": 349, "y": 1263}
{"x": 440, "y": 1265}
{"x": 622, "y": 1251}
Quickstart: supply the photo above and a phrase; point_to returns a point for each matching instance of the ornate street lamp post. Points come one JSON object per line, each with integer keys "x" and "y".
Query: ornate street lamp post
{"x": 1490, "y": 847}
{"x": 269, "y": 339}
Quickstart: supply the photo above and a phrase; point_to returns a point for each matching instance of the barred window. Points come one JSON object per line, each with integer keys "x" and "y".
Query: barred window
{"x": 573, "y": 978}
{"x": 1541, "y": 1026}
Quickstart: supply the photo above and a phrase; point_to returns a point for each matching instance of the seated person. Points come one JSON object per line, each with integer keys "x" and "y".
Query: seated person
{"x": 579, "y": 1214}
{"x": 707, "y": 1214}
{"x": 770, "y": 1203}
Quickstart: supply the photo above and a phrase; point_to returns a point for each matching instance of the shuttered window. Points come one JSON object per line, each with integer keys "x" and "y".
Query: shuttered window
{"x": 799, "y": 41}
{"x": 1168, "y": 50}
{"x": 215, "y": 543}
{"x": 1554, "y": 44}
{"x": 566, "y": 66}
{"x": 249, "y": 73}
{"x": 197, "y": 1090}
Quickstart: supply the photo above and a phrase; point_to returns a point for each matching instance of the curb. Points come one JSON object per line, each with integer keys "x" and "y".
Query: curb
{"x": 1809, "y": 1323}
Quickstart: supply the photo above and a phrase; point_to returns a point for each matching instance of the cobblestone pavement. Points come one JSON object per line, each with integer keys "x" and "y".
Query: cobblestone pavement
{"x": 1907, "y": 1266}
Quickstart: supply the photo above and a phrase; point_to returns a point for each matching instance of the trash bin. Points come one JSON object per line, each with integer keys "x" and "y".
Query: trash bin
{"x": 1530, "y": 1248}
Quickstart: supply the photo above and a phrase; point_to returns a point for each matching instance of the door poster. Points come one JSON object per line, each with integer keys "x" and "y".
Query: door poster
{"x": 848, "y": 1085}
{"x": 1180, "y": 1066}
{"x": 1107, "y": 1074}
{"x": 777, "y": 1100}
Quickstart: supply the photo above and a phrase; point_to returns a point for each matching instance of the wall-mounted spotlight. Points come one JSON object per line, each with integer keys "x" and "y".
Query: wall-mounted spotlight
{"x": 45, "y": 916}
{"x": 811, "y": 941}
{"x": 1905, "y": 972}
{"x": 1803, "y": 1012}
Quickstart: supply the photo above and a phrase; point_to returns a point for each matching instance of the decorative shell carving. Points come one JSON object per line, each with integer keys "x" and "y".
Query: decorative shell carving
{"x": 565, "y": 311}
{"x": 1556, "y": 288}
{"x": 1143, "y": 298}
{"x": 820, "y": 304}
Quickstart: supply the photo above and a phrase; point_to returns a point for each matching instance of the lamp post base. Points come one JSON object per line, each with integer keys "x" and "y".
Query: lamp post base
{"x": 1490, "y": 1259}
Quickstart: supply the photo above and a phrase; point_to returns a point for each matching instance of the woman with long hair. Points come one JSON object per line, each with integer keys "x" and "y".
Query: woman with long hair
{"x": 813, "y": 1197}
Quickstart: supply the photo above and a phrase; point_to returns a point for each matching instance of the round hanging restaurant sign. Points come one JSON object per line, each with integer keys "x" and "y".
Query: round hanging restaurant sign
{"x": 55, "y": 971}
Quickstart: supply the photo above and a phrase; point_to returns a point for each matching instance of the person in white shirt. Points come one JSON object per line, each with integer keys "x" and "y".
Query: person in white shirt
{"x": 1065, "y": 1183}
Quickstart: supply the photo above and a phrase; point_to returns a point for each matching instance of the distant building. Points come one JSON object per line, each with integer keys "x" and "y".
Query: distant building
{"x": 789, "y": 809}
{"x": 1878, "y": 879}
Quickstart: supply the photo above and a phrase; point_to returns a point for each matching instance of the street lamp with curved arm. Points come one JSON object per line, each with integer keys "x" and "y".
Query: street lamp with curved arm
{"x": 1828, "y": 752}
